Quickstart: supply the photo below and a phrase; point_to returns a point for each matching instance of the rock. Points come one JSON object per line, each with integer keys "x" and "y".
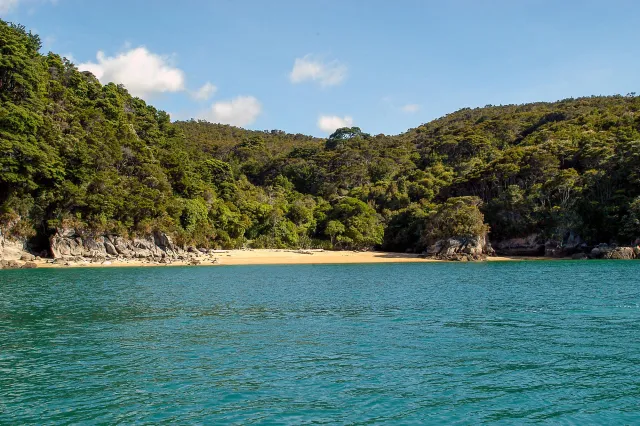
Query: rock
{"x": 435, "y": 249}
{"x": 9, "y": 264}
{"x": 620, "y": 253}
{"x": 122, "y": 246}
{"x": 68, "y": 244}
{"x": 571, "y": 244}
{"x": 93, "y": 246}
{"x": 29, "y": 265}
{"x": 163, "y": 241}
{"x": 145, "y": 244}
{"x": 65, "y": 232}
{"x": 27, "y": 257}
{"x": 12, "y": 248}
{"x": 110, "y": 248}
{"x": 580, "y": 256}
{"x": 194, "y": 262}
{"x": 459, "y": 249}
{"x": 63, "y": 243}
{"x": 600, "y": 251}
{"x": 526, "y": 246}
{"x": 553, "y": 248}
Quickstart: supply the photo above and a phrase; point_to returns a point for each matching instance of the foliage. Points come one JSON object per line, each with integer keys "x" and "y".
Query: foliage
{"x": 459, "y": 217}
{"x": 72, "y": 149}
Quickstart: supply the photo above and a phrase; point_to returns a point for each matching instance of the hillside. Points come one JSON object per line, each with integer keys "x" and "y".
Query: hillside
{"x": 76, "y": 153}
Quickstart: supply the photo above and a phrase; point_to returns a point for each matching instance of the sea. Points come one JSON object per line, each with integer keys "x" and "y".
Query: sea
{"x": 545, "y": 342}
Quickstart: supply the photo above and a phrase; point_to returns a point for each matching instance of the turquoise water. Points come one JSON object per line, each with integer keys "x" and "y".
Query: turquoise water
{"x": 555, "y": 342}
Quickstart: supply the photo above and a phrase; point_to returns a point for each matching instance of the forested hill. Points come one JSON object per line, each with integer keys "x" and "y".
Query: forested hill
{"x": 76, "y": 153}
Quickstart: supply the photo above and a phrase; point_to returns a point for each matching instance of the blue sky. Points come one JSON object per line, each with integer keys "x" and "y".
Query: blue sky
{"x": 309, "y": 66}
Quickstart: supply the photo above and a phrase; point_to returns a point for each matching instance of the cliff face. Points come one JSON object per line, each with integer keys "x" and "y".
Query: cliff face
{"x": 11, "y": 249}
{"x": 14, "y": 252}
{"x": 71, "y": 245}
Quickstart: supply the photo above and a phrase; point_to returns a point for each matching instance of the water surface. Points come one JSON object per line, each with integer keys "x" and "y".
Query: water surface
{"x": 555, "y": 342}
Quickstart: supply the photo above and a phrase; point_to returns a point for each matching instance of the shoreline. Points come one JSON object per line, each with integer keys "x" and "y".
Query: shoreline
{"x": 275, "y": 257}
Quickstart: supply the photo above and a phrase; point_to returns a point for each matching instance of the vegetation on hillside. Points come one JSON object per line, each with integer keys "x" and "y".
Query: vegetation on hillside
{"x": 74, "y": 152}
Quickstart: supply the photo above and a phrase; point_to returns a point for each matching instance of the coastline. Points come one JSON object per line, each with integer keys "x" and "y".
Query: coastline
{"x": 273, "y": 257}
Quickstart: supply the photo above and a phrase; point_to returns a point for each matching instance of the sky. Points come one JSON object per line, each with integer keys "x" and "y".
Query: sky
{"x": 315, "y": 65}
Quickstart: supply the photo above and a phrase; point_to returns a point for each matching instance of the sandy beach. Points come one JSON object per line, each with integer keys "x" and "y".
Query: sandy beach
{"x": 269, "y": 257}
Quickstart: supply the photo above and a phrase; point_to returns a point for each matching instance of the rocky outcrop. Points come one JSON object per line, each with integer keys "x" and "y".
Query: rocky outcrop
{"x": 461, "y": 248}
{"x": 605, "y": 251}
{"x": 536, "y": 245}
{"x": 531, "y": 245}
{"x": 10, "y": 264}
{"x": 571, "y": 244}
{"x": 69, "y": 243}
{"x": 11, "y": 248}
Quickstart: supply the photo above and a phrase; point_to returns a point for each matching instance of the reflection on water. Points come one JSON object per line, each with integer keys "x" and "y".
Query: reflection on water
{"x": 436, "y": 343}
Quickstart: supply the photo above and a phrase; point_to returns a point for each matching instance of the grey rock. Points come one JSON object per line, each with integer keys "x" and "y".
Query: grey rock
{"x": 601, "y": 251}
{"x": 460, "y": 248}
{"x": 163, "y": 241}
{"x": 110, "y": 248}
{"x": 526, "y": 246}
{"x": 28, "y": 257}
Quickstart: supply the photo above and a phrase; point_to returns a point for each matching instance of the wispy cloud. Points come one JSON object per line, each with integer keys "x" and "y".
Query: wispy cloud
{"x": 313, "y": 68}
{"x": 240, "y": 111}
{"x": 205, "y": 92}
{"x": 7, "y": 6}
{"x": 411, "y": 108}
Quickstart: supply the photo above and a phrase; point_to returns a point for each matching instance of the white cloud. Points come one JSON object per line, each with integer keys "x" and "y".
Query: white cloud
{"x": 411, "y": 108}
{"x": 310, "y": 68}
{"x": 205, "y": 92}
{"x": 240, "y": 111}
{"x": 330, "y": 123}
{"x": 141, "y": 71}
{"x": 7, "y": 5}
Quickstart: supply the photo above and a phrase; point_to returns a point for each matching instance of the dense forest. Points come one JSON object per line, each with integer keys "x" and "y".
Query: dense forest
{"x": 76, "y": 153}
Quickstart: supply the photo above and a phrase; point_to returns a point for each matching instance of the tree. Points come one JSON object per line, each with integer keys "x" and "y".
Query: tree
{"x": 345, "y": 136}
{"x": 457, "y": 217}
{"x": 333, "y": 230}
{"x": 362, "y": 227}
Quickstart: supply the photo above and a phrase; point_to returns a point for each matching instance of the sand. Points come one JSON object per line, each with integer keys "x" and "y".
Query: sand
{"x": 274, "y": 257}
